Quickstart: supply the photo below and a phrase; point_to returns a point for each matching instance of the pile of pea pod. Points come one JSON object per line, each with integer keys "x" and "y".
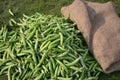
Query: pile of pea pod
{"x": 45, "y": 47}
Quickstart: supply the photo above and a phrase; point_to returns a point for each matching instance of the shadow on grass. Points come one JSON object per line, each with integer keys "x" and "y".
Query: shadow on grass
{"x": 119, "y": 14}
{"x": 111, "y": 76}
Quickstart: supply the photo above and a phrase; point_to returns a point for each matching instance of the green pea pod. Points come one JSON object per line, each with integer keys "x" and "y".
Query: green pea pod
{"x": 31, "y": 34}
{"x": 12, "y": 20}
{"x": 64, "y": 66}
{"x": 3, "y": 48}
{"x": 39, "y": 77}
{"x": 56, "y": 72}
{"x": 4, "y": 62}
{"x": 74, "y": 62}
{"x": 92, "y": 78}
{"x": 11, "y": 12}
{"x": 45, "y": 46}
{"x": 13, "y": 37}
{"x": 62, "y": 78}
{"x": 14, "y": 75}
{"x": 83, "y": 64}
{"x": 36, "y": 43}
{"x": 45, "y": 68}
{"x": 61, "y": 38}
{"x": 2, "y": 30}
{"x": 22, "y": 54}
{"x": 63, "y": 72}
{"x": 61, "y": 48}
{"x": 31, "y": 66}
{"x": 23, "y": 74}
{"x": 9, "y": 73}
{"x": 51, "y": 70}
{"x": 82, "y": 75}
{"x": 36, "y": 71}
{"x": 5, "y": 33}
{"x": 10, "y": 52}
{"x": 50, "y": 37}
{"x": 91, "y": 66}
{"x": 33, "y": 51}
{"x": 5, "y": 56}
{"x": 72, "y": 49}
{"x": 53, "y": 44}
{"x": 46, "y": 31}
{"x": 3, "y": 70}
{"x": 63, "y": 54}
{"x": 80, "y": 69}
{"x": 23, "y": 40}
{"x": 42, "y": 59}
{"x": 53, "y": 62}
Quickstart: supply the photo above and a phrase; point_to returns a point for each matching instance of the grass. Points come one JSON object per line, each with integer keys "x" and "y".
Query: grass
{"x": 29, "y": 7}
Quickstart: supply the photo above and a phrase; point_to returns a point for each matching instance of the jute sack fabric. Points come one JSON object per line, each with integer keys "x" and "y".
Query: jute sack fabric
{"x": 100, "y": 26}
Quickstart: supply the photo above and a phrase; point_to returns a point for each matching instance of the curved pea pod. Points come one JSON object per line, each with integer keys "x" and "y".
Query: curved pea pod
{"x": 74, "y": 62}
{"x": 33, "y": 53}
{"x": 39, "y": 77}
{"x": 85, "y": 54}
{"x": 13, "y": 37}
{"x": 4, "y": 62}
{"x": 42, "y": 59}
{"x": 11, "y": 12}
{"x": 83, "y": 63}
{"x": 13, "y": 21}
{"x": 14, "y": 75}
{"x": 27, "y": 76}
{"x": 4, "y": 70}
{"x": 11, "y": 52}
{"x": 50, "y": 37}
{"x": 91, "y": 66}
{"x": 53, "y": 62}
{"x": 30, "y": 35}
{"x": 45, "y": 68}
{"x": 82, "y": 76}
{"x": 47, "y": 31}
{"x": 59, "y": 70}
{"x": 2, "y": 44}
{"x": 25, "y": 16}
{"x": 75, "y": 52}
{"x": 80, "y": 69}
{"x": 63, "y": 72}
{"x": 23, "y": 73}
{"x": 61, "y": 48}
{"x": 44, "y": 45}
{"x": 63, "y": 54}
{"x": 36, "y": 71}
{"x": 10, "y": 23}
{"x": 9, "y": 73}
{"x": 53, "y": 44}
{"x": 3, "y": 48}
{"x": 64, "y": 66}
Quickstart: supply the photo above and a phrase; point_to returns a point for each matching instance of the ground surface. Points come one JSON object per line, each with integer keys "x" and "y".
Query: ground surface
{"x": 29, "y": 7}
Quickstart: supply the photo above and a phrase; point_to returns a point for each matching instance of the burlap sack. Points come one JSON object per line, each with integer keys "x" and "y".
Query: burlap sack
{"x": 100, "y": 26}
